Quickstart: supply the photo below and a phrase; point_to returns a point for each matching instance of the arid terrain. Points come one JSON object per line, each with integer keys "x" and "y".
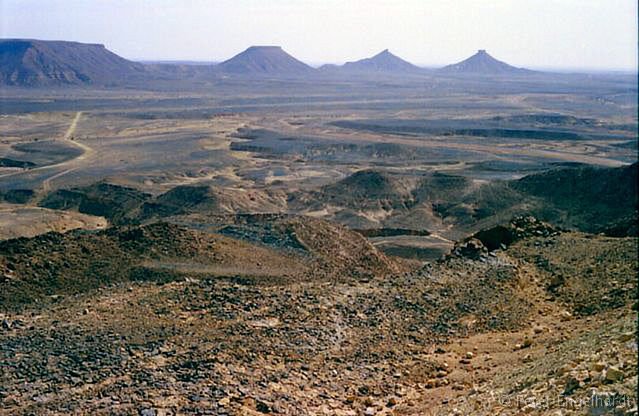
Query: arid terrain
{"x": 372, "y": 239}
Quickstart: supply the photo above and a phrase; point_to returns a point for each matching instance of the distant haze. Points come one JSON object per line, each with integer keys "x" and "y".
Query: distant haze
{"x": 561, "y": 34}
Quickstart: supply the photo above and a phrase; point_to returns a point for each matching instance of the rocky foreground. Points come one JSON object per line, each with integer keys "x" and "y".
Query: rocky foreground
{"x": 161, "y": 320}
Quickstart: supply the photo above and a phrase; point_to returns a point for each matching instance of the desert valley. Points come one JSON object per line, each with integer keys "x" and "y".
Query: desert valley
{"x": 260, "y": 236}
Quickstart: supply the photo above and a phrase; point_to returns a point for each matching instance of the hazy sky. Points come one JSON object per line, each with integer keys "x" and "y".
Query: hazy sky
{"x": 535, "y": 33}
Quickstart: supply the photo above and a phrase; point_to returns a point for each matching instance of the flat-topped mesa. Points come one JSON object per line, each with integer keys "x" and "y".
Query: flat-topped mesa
{"x": 263, "y": 47}
{"x": 264, "y": 60}
{"x": 31, "y": 62}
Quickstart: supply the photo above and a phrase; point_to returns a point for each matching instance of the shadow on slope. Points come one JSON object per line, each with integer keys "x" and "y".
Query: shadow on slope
{"x": 584, "y": 198}
{"x": 250, "y": 247}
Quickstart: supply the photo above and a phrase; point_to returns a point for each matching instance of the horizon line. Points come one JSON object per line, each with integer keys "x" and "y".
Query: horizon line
{"x": 317, "y": 64}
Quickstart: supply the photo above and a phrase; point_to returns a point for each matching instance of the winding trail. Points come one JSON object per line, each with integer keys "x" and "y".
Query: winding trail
{"x": 46, "y": 184}
{"x": 72, "y": 126}
{"x": 68, "y": 137}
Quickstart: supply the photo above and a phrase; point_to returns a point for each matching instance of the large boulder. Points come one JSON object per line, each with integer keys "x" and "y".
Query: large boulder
{"x": 520, "y": 227}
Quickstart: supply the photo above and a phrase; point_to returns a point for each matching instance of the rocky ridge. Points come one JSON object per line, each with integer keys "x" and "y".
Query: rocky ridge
{"x": 464, "y": 335}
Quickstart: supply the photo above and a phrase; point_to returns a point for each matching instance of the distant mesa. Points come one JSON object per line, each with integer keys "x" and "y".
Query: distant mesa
{"x": 483, "y": 63}
{"x": 35, "y": 63}
{"x": 267, "y": 60}
{"x": 384, "y": 61}
{"x": 29, "y": 62}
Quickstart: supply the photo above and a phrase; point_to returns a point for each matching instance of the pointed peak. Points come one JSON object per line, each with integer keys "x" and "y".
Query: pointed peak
{"x": 482, "y": 54}
{"x": 384, "y": 61}
{"x": 385, "y": 52}
{"x": 483, "y": 63}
